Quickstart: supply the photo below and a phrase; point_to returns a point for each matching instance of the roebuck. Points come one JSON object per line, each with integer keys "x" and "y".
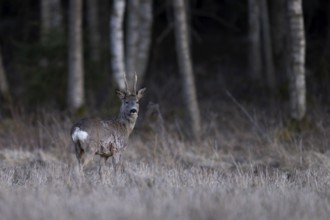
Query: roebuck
{"x": 107, "y": 138}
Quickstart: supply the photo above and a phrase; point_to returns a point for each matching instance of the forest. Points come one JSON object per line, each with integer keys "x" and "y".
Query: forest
{"x": 234, "y": 122}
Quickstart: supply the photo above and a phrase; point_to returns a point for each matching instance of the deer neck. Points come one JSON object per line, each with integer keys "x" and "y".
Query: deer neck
{"x": 127, "y": 122}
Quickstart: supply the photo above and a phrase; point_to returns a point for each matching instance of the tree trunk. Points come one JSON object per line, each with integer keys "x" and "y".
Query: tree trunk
{"x": 267, "y": 45}
{"x": 93, "y": 30}
{"x": 117, "y": 42}
{"x": 278, "y": 20}
{"x": 51, "y": 17}
{"x": 138, "y": 37}
{"x": 132, "y": 37}
{"x": 145, "y": 29}
{"x": 254, "y": 55}
{"x": 185, "y": 66}
{"x": 325, "y": 56}
{"x": 297, "y": 59}
{"x": 76, "y": 70}
{"x": 4, "y": 86}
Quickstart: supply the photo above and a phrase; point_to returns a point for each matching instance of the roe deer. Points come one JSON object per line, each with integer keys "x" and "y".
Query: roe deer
{"x": 106, "y": 138}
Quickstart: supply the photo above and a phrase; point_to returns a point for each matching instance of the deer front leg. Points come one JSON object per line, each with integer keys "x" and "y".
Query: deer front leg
{"x": 116, "y": 161}
{"x": 102, "y": 163}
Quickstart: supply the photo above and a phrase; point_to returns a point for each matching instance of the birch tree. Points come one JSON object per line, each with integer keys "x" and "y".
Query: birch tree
{"x": 296, "y": 67}
{"x": 254, "y": 55}
{"x": 93, "y": 29}
{"x": 138, "y": 36}
{"x": 185, "y": 66}
{"x": 117, "y": 42}
{"x": 76, "y": 70}
{"x": 51, "y": 17}
{"x": 132, "y": 56}
{"x": 145, "y": 29}
{"x": 132, "y": 37}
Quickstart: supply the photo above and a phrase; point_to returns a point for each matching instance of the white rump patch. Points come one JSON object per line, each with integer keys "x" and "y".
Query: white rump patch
{"x": 79, "y": 135}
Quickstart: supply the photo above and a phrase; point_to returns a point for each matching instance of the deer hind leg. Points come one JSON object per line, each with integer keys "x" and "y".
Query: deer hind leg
{"x": 77, "y": 174}
{"x": 84, "y": 154}
{"x": 79, "y": 153}
{"x": 86, "y": 157}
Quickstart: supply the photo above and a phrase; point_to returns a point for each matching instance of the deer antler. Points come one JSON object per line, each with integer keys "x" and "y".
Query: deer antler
{"x": 135, "y": 83}
{"x": 126, "y": 84}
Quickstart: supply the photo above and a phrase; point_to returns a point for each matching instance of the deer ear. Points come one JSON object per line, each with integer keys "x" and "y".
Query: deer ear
{"x": 140, "y": 93}
{"x": 120, "y": 94}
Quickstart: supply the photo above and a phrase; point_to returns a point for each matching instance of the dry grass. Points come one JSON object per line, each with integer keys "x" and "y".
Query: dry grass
{"x": 235, "y": 172}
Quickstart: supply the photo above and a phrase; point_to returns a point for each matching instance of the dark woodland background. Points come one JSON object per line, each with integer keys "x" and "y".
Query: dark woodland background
{"x": 37, "y": 73}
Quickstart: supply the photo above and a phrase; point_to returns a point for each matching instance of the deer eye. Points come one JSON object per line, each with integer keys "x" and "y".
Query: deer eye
{"x": 126, "y": 102}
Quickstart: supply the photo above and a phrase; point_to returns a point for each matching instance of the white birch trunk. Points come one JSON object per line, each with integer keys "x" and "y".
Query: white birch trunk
{"x": 76, "y": 71}
{"x": 145, "y": 29}
{"x": 267, "y": 45}
{"x": 93, "y": 29}
{"x": 297, "y": 60}
{"x": 132, "y": 38}
{"x": 254, "y": 55}
{"x": 185, "y": 66}
{"x": 117, "y": 42}
{"x": 51, "y": 17}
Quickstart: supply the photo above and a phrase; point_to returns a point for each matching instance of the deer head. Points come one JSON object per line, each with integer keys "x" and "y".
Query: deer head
{"x": 130, "y": 102}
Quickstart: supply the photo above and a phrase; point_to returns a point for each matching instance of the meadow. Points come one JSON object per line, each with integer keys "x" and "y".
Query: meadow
{"x": 244, "y": 167}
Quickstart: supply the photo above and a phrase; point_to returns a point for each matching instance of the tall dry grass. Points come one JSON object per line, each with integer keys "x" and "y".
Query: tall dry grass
{"x": 243, "y": 168}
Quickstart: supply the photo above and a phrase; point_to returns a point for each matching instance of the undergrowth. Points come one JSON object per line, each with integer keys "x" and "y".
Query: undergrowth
{"x": 242, "y": 168}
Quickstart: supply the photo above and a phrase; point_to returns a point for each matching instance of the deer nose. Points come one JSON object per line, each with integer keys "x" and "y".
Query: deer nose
{"x": 133, "y": 110}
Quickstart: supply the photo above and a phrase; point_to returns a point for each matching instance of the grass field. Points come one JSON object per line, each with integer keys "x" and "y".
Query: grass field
{"x": 242, "y": 168}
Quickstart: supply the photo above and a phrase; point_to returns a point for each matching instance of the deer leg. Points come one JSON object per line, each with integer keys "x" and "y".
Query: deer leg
{"x": 85, "y": 158}
{"x": 116, "y": 161}
{"x": 101, "y": 164}
{"x": 79, "y": 153}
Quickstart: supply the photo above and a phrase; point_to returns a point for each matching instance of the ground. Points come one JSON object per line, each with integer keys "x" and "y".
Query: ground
{"x": 243, "y": 168}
